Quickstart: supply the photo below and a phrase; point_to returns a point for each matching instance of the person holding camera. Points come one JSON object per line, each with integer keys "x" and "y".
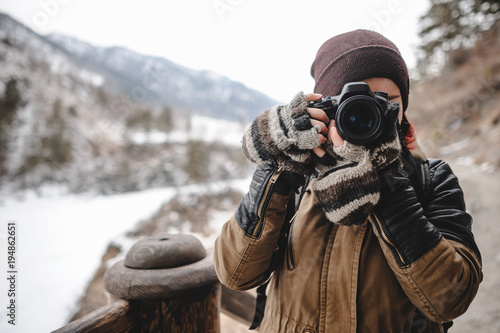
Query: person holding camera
{"x": 346, "y": 222}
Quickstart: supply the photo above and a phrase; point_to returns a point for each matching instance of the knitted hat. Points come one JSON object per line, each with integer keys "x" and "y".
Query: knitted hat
{"x": 356, "y": 56}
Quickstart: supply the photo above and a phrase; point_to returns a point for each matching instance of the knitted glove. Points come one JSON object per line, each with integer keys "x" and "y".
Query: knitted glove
{"x": 348, "y": 186}
{"x": 285, "y": 134}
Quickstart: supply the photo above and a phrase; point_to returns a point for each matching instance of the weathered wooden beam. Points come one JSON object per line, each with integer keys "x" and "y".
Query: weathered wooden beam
{"x": 239, "y": 305}
{"x": 118, "y": 316}
{"x": 174, "y": 281}
{"x": 197, "y": 312}
{"x": 167, "y": 283}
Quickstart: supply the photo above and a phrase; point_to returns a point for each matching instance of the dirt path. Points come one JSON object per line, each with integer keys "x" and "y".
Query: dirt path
{"x": 482, "y": 196}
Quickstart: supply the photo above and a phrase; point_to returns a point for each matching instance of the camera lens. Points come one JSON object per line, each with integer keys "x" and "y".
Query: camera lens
{"x": 358, "y": 120}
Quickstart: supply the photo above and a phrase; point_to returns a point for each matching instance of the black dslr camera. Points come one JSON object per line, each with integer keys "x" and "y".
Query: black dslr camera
{"x": 359, "y": 114}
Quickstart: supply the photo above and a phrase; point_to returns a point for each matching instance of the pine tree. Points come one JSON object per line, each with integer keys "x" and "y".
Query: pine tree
{"x": 198, "y": 159}
{"x": 141, "y": 118}
{"x": 56, "y": 145}
{"x": 165, "y": 120}
{"x": 9, "y": 103}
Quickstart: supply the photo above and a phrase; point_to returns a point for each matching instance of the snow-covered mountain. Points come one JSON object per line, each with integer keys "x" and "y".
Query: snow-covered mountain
{"x": 157, "y": 81}
{"x": 71, "y": 113}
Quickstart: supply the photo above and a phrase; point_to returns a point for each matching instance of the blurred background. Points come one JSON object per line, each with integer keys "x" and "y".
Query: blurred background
{"x": 122, "y": 119}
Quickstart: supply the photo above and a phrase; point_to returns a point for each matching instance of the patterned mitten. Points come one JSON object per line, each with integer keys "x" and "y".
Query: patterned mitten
{"x": 348, "y": 186}
{"x": 285, "y": 134}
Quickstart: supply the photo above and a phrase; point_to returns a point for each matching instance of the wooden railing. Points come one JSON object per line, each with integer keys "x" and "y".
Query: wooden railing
{"x": 166, "y": 283}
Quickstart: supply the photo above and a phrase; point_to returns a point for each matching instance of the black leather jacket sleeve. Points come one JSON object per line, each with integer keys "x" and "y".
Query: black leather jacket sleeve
{"x": 413, "y": 229}
{"x": 434, "y": 255}
{"x": 267, "y": 179}
{"x": 246, "y": 249}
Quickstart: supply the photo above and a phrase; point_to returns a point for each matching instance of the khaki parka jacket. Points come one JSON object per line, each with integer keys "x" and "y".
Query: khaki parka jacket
{"x": 412, "y": 266}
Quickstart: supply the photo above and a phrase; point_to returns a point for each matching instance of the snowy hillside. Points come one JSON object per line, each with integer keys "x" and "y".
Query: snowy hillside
{"x": 106, "y": 120}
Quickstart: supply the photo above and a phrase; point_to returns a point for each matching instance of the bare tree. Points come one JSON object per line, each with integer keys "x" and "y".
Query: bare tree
{"x": 450, "y": 24}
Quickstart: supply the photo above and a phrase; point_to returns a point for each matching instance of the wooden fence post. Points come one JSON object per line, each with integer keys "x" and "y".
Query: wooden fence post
{"x": 172, "y": 281}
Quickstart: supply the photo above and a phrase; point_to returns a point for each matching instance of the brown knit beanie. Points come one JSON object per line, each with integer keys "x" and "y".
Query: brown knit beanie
{"x": 355, "y": 56}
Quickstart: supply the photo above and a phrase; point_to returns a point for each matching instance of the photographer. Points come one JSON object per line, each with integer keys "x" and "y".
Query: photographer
{"x": 380, "y": 240}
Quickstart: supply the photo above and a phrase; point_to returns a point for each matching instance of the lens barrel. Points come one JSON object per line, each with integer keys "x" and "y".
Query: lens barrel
{"x": 357, "y": 111}
{"x": 359, "y": 119}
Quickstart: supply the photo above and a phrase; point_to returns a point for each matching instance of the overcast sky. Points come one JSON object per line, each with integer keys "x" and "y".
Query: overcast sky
{"x": 267, "y": 45}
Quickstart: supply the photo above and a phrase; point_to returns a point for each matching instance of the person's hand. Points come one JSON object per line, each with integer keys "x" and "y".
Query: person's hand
{"x": 287, "y": 134}
{"x": 348, "y": 184}
{"x": 327, "y": 126}
{"x": 333, "y": 136}
{"x": 319, "y": 119}
{"x": 328, "y": 130}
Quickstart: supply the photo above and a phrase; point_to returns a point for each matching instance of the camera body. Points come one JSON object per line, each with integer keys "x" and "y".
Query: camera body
{"x": 358, "y": 112}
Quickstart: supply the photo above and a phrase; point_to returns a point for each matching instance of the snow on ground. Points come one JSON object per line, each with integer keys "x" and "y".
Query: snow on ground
{"x": 60, "y": 242}
{"x": 201, "y": 128}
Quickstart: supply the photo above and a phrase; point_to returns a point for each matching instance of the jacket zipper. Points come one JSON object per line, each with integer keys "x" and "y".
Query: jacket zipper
{"x": 290, "y": 256}
{"x": 387, "y": 241}
{"x": 266, "y": 196}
